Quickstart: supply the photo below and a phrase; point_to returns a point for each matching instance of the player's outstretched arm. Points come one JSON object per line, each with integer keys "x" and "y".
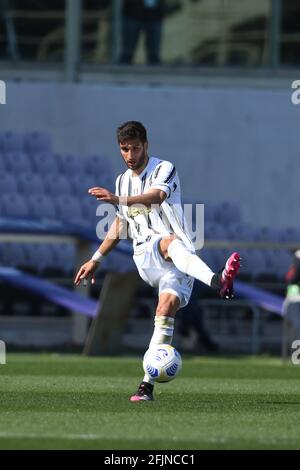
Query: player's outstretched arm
{"x": 87, "y": 270}
{"x": 151, "y": 197}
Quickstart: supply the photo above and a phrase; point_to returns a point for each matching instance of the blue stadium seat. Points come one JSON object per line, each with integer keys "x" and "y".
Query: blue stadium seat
{"x": 213, "y": 231}
{"x": 68, "y": 209}
{"x": 64, "y": 255}
{"x": 57, "y": 185}
{"x": 266, "y": 234}
{"x": 2, "y": 163}
{"x": 30, "y": 183}
{"x": 96, "y": 164}
{"x": 17, "y": 162}
{"x": 81, "y": 183}
{"x": 254, "y": 262}
{"x": 228, "y": 213}
{"x": 290, "y": 234}
{"x": 38, "y": 142}
{"x": 12, "y": 254}
{"x": 239, "y": 232}
{"x": 13, "y": 205}
{"x": 39, "y": 256}
{"x": 41, "y": 206}
{"x": 71, "y": 164}
{"x": 8, "y": 184}
{"x": 12, "y": 142}
{"x": 45, "y": 163}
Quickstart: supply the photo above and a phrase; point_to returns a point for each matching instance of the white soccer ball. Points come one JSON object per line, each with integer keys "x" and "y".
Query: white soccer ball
{"x": 162, "y": 362}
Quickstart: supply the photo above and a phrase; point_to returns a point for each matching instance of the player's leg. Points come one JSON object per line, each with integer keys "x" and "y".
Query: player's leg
{"x": 167, "y": 307}
{"x": 173, "y": 249}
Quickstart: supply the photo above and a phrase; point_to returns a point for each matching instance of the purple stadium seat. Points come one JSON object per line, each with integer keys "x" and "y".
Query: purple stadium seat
{"x": 68, "y": 209}
{"x": 12, "y": 142}
{"x": 38, "y": 142}
{"x": 8, "y": 184}
{"x": 41, "y": 206}
{"x": 30, "y": 183}
{"x": 57, "y": 185}
{"x": 13, "y": 205}
{"x": 17, "y": 162}
{"x": 45, "y": 163}
{"x": 254, "y": 261}
{"x": 71, "y": 164}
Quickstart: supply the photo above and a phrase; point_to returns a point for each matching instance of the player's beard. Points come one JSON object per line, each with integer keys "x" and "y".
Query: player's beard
{"x": 140, "y": 163}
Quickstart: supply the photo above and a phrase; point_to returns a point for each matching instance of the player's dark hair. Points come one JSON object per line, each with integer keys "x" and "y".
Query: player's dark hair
{"x": 131, "y": 130}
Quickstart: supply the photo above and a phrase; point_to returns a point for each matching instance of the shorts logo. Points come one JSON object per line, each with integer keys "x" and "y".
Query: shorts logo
{"x": 134, "y": 211}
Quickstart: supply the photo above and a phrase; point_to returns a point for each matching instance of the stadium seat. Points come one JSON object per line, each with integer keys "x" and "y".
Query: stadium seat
{"x": 17, "y": 162}
{"x": 39, "y": 256}
{"x": 12, "y": 142}
{"x": 64, "y": 256}
{"x": 266, "y": 234}
{"x": 213, "y": 231}
{"x": 81, "y": 184}
{"x": 100, "y": 168}
{"x": 71, "y": 164}
{"x": 12, "y": 254}
{"x": 56, "y": 185}
{"x": 239, "y": 232}
{"x": 45, "y": 163}
{"x": 30, "y": 183}
{"x": 2, "y": 163}
{"x": 228, "y": 213}
{"x": 8, "y": 184}
{"x": 13, "y": 205}
{"x": 37, "y": 142}
{"x": 41, "y": 206}
{"x": 290, "y": 234}
{"x": 68, "y": 209}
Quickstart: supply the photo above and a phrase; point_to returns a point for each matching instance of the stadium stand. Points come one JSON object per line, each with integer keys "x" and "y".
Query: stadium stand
{"x": 37, "y": 184}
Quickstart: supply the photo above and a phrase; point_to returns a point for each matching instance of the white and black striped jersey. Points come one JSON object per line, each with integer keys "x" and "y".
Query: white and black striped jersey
{"x": 168, "y": 218}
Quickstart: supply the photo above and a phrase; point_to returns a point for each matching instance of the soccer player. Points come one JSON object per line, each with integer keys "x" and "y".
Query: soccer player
{"x": 148, "y": 203}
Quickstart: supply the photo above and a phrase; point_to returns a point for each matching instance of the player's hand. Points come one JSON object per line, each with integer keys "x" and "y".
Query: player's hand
{"x": 86, "y": 272}
{"x": 103, "y": 194}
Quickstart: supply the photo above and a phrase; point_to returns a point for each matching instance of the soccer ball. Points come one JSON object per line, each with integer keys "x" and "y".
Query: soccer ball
{"x": 162, "y": 362}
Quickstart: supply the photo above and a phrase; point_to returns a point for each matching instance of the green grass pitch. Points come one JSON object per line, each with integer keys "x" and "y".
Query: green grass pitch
{"x": 51, "y": 401}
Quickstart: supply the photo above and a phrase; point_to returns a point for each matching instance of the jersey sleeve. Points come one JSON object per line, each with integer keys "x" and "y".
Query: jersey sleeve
{"x": 163, "y": 177}
{"x": 119, "y": 211}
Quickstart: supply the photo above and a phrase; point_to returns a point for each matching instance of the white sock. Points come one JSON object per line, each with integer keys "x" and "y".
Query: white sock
{"x": 163, "y": 334}
{"x": 189, "y": 263}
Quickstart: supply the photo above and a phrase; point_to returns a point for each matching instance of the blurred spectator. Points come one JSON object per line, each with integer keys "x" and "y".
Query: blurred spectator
{"x": 7, "y": 25}
{"x": 293, "y": 276}
{"x": 142, "y": 16}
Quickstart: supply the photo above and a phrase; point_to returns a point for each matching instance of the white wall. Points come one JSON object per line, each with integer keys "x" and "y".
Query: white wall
{"x": 228, "y": 144}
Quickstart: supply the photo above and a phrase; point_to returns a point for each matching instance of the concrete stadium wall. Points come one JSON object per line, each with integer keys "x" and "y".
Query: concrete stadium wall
{"x": 228, "y": 144}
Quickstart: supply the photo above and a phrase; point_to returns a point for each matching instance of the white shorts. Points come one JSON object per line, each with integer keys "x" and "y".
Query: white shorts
{"x": 157, "y": 272}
